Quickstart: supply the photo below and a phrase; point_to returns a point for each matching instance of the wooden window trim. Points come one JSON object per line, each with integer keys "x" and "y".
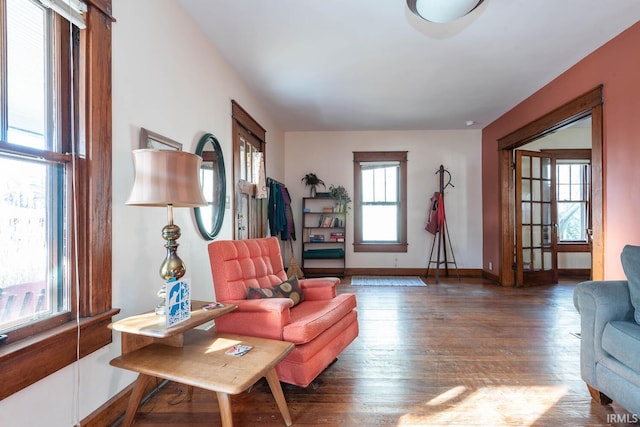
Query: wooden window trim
{"x": 28, "y": 360}
{"x": 365, "y": 156}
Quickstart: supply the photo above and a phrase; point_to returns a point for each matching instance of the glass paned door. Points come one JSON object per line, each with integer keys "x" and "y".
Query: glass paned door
{"x": 536, "y": 260}
{"x": 250, "y": 215}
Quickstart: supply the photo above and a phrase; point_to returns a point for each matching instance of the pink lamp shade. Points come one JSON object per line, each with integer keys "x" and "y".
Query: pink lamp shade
{"x": 166, "y": 177}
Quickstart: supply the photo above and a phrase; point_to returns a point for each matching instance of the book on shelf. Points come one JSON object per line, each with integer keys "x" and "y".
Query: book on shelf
{"x": 337, "y": 236}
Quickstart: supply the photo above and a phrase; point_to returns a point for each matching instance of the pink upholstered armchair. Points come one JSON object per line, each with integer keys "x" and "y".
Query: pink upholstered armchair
{"x": 320, "y": 326}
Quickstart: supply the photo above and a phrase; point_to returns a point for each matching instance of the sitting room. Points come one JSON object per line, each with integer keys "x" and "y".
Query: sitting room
{"x": 315, "y": 147}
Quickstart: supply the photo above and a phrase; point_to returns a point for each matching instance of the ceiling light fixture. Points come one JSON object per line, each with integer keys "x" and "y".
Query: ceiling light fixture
{"x": 442, "y": 11}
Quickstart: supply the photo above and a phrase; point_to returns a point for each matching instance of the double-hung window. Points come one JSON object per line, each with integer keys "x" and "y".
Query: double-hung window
{"x": 35, "y": 170}
{"x": 55, "y": 185}
{"x": 380, "y": 215}
{"x": 573, "y": 190}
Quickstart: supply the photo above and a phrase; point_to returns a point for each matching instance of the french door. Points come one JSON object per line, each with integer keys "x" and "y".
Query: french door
{"x": 250, "y": 209}
{"x": 535, "y": 225}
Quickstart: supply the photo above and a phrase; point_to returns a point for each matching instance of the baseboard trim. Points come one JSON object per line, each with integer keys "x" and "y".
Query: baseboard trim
{"x": 113, "y": 409}
{"x": 422, "y": 272}
{"x": 491, "y": 276}
{"x": 575, "y": 272}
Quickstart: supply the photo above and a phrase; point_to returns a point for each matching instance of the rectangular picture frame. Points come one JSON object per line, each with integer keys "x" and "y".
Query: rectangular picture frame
{"x": 149, "y": 139}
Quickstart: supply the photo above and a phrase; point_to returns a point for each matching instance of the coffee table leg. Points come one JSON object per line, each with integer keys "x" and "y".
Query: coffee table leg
{"x": 276, "y": 390}
{"x": 225, "y": 409}
{"x": 135, "y": 398}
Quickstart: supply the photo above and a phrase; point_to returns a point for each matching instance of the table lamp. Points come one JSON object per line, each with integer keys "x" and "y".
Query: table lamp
{"x": 167, "y": 178}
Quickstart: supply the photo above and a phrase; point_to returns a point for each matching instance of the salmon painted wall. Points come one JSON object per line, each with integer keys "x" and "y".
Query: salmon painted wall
{"x": 615, "y": 65}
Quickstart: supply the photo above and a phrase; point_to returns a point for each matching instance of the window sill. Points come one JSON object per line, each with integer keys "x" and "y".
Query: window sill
{"x": 574, "y": 247}
{"x": 31, "y": 359}
{"x": 380, "y": 247}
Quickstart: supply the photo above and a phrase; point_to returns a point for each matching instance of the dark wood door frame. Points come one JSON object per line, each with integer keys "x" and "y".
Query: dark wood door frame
{"x": 589, "y": 104}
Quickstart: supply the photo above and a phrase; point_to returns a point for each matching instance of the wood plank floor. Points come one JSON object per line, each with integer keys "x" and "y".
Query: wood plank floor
{"x": 448, "y": 354}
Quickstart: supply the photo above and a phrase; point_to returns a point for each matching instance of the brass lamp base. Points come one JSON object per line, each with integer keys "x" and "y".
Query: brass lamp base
{"x": 172, "y": 267}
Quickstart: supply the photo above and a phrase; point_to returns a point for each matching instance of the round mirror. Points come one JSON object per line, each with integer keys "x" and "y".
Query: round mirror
{"x": 212, "y": 177}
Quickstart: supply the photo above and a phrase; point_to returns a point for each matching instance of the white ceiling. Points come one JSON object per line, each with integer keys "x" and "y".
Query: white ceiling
{"x": 372, "y": 65}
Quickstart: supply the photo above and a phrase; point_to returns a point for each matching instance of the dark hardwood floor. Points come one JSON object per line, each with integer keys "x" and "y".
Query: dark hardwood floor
{"x": 448, "y": 354}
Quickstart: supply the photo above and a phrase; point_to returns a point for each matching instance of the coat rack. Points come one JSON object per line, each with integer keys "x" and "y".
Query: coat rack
{"x": 437, "y": 225}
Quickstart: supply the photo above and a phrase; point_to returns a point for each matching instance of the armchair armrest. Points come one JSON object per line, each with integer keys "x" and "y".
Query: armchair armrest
{"x": 263, "y": 318}
{"x": 272, "y": 305}
{"x": 599, "y": 302}
{"x": 322, "y": 288}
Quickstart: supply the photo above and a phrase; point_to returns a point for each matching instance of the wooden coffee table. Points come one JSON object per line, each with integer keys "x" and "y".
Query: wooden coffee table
{"x": 198, "y": 359}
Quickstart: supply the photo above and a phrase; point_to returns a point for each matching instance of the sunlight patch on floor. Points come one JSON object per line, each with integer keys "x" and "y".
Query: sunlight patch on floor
{"x": 495, "y": 406}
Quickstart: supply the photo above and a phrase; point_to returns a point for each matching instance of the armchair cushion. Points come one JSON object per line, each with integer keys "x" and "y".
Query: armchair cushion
{"x": 631, "y": 265}
{"x": 314, "y": 317}
{"x": 622, "y": 341}
{"x": 287, "y": 289}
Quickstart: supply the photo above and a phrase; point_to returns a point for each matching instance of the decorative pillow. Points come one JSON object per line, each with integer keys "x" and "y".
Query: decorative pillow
{"x": 631, "y": 265}
{"x": 287, "y": 289}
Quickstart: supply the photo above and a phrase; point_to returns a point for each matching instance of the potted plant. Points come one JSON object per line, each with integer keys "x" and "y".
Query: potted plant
{"x": 341, "y": 196}
{"x": 311, "y": 180}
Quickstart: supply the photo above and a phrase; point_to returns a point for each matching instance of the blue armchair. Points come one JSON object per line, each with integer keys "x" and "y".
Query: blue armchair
{"x": 610, "y": 335}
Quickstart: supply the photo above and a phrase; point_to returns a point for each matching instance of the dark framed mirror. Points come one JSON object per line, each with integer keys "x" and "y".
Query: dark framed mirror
{"x": 213, "y": 180}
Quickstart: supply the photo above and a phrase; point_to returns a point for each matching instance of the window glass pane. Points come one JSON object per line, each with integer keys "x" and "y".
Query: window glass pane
{"x": 379, "y": 223}
{"x": 526, "y": 236}
{"x": 526, "y": 189}
{"x": 547, "y": 260}
{"x": 379, "y": 183}
{"x": 572, "y": 221}
{"x": 563, "y": 174}
{"x": 526, "y": 260}
{"x": 546, "y": 235}
{"x": 536, "y": 235}
{"x": 379, "y": 187}
{"x": 536, "y": 213}
{"x": 535, "y": 167}
{"x": 243, "y": 159}
{"x": 546, "y": 213}
{"x": 564, "y": 192}
{"x": 546, "y": 191}
{"x": 26, "y": 74}
{"x": 576, "y": 191}
{"x": 546, "y": 168}
{"x": 536, "y": 193}
{"x": 526, "y": 213}
{"x": 392, "y": 183}
{"x": 367, "y": 185}
{"x": 31, "y": 254}
{"x": 526, "y": 167}
{"x": 537, "y": 259}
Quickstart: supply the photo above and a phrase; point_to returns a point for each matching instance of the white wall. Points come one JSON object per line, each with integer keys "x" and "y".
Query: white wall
{"x": 330, "y": 156}
{"x": 168, "y": 79}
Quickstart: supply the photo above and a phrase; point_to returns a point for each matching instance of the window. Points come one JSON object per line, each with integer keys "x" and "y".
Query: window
{"x": 33, "y": 212}
{"x": 380, "y": 208}
{"x": 55, "y": 186}
{"x": 573, "y": 189}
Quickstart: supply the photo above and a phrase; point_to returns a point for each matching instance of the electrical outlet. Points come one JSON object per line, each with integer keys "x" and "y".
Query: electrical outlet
{"x": 490, "y": 265}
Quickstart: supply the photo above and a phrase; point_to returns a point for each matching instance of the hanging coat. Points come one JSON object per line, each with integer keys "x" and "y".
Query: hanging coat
{"x": 436, "y": 217}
